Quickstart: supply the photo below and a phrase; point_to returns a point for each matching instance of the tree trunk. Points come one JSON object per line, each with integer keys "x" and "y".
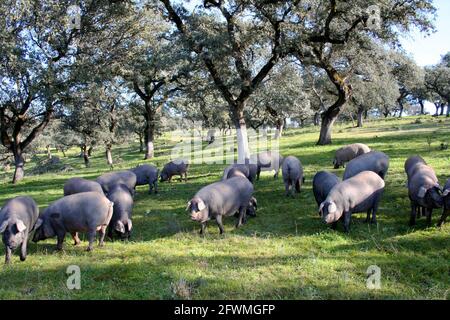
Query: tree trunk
{"x": 241, "y": 133}
{"x": 141, "y": 143}
{"x": 437, "y": 106}
{"x": 366, "y": 114}
{"x": 109, "y": 158}
{"x": 401, "y": 107}
{"x": 448, "y": 110}
{"x": 149, "y": 116}
{"x": 280, "y": 127}
{"x": 63, "y": 152}
{"x": 360, "y": 117}
{"x": 49, "y": 154}
{"x": 90, "y": 150}
{"x": 19, "y": 162}
{"x": 442, "y": 109}
{"x": 328, "y": 120}
{"x": 422, "y": 107}
{"x": 86, "y": 156}
{"x": 316, "y": 119}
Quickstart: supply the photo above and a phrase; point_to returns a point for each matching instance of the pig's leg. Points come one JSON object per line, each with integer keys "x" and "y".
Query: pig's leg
{"x": 91, "y": 239}
{"x": 347, "y": 219}
{"x": 241, "y": 216}
{"x": 375, "y": 209}
{"x": 202, "y": 228}
{"x": 334, "y": 225}
{"x": 23, "y": 248}
{"x": 444, "y": 216}
{"x": 286, "y": 187}
{"x": 219, "y": 223}
{"x": 258, "y": 172}
{"x": 368, "y": 216}
{"x": 412, "y": 220}
{"x": 110, "y": 233}
{"x": 155, "y": 184}
{"x": 429, "y": 213}
{"x": 76, "y": 239}
{"x": 7, "y": 255}
{"x": 102, "y": 232}
{"x": 60, "y": 235}
{"x": 185, "y": 177}
{"x": 297, "y": 186}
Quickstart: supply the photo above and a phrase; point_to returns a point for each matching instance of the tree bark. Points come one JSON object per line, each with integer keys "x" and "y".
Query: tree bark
{"x": 49, "y": 154}
{"x": 86, "y": 156}
{"x": 90, "y": 150}
{"x": 360, "y": 117}
{"x": 141, "y": 143}
{"x": 316, "y": 119}
{"x": 19, "y": 163}
{"x": 422, "y": 107}
{"x": 401, "y": 107}
{"x": 241, "y": 132}
{"x": 328, "y": 120}
{"x": 279, "y": 127}
{"x": 109, "y": 158}
{"x": 448, "y": 110}
{"x": 442, "y": 109}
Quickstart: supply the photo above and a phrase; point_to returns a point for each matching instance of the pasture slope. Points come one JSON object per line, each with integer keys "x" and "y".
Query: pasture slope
{"x": 284, "y": 253}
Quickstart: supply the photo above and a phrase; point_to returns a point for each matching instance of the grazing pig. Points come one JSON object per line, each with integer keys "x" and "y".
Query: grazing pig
{"x": 375, "y": 161}
{"x": 78, "y": 185}
{"x": 108, "y": 180}
{"x": 220, "y": 199}
{"x": 120, "y": 223}
{"x": 175, "y": 167}
{"x": 249, "y": 170}
{"x": 292, "y": 171}
{"x": 147, "y": 174}
{"x": 446, "y": 196}
{"x": 267, "y": 161}
{"x": 424, "y": 191}
{"x": 17, "y": 219}
{"x": 82, "y": 212}
{"x": 411, "y": 164}
{"x": 323, "y": 182}
{"x": 359, "y": 193}
{"x": 348, "y": 153}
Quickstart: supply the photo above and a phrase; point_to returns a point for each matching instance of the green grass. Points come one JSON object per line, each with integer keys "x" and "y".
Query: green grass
{"x": 283, "y": 253}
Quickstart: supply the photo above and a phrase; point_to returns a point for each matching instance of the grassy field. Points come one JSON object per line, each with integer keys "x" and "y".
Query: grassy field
{"x": 286, "y": 252}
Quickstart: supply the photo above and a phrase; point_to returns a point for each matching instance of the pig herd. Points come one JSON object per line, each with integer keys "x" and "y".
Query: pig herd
{"x": 105, "y": 205}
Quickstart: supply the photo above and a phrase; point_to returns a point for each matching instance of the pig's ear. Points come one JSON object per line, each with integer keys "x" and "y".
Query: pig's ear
{"x": 446, "y": 192}
{"x": 20, "y": 226}
{"x": 332, "y": 207}
{"x": 3, "y": 226}
{"x": 119, "y": 226}
{"x": 422, "y": 192}
{"x": 201, "y": 205}
{"x": 321, "y": 208}
{"x": 188, "y": 205}
{"x": 38, "y": 223}
{"x": 130, "y": 224}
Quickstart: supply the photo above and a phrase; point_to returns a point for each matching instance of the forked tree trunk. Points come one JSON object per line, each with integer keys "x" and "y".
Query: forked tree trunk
{"x": 19, "y": 163}
{"x": 400, "y": 109}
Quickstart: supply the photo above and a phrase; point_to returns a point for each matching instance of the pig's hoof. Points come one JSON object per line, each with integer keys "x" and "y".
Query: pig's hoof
{"x": 89, "y": 249}
{"x": 373, "y": 221}
{"x": 23, "y": 258}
